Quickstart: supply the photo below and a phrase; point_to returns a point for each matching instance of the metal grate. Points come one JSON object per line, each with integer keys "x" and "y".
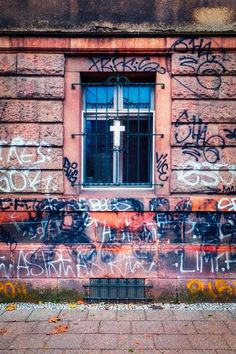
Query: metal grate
{"x": 118, "y": 133}
{"x": 103, "y": 289}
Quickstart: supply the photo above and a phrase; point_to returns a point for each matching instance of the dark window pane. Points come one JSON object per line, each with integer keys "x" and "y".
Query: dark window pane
{"x": 137, "y": 156}
{"x": 98, "y": 152}
{"x": 137, "y": 97}
{"x": 99, "y": 97}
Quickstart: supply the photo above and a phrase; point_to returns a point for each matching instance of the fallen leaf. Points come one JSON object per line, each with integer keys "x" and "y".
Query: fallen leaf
{"x": 72, "y": 306}
{"x": 3, "y": 331}
{"x": 80, "y": 302}
{"x": 54, "y": 319}
{"x": 10, "y": 307}
{"x": 60, "y": 329}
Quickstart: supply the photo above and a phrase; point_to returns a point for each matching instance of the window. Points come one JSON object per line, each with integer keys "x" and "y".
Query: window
{"x": 118, "y": 133}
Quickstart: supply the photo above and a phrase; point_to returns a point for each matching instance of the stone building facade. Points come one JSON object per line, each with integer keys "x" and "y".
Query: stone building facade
{"x": 158, "y": 204}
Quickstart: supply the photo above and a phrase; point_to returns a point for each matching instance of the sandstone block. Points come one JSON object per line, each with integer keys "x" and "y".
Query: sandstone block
{"x": 40, "y": 64}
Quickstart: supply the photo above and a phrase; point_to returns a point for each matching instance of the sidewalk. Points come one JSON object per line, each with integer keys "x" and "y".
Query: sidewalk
{"x": 142, "y": 329}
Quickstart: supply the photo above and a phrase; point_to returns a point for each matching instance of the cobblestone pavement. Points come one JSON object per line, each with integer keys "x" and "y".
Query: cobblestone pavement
{"x": 156, "y": 329}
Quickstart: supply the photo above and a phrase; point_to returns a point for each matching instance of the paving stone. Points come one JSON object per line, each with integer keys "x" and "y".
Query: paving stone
{"x": 218, "y": 315}
{"x": 73, "y": 315}
{"x": 130, "y": 315}
{"x": 231, "y": 325}
{"x": 145, "y": 341}
{"x": 188, "y": 315}
{"x": 196, "y": 351}
{"x": 42, "y": 351}
{"x": 6, "y": 351}
{"x": 231, "y": 340}
{"x": 208, "y": 341}
{"x": 172, "y": 341}
{"x": 46, "y": 327}
{"x": 83, "y": 327}
{"x": 65, "y": 341}
{"x": 225, "y": 351}
{"x": 6, "y": 340}
{"x": 179, "y": 327}
{"x": 115, "y": 327}
{"x": 147, "y": 327}
{"x": 211, "y": 327}
{"x": 102, "y": 315}
{"x": 42, "y": 314}
{"x": 29, "y": 341}
{"x": 137, "y": 351}
{"x": 99, "y": 341}
{"x": 14, "y": 328}
{"x": 159, "y": 315}
{"x": 82, "y": 351}
{"x": 16, "y": 315}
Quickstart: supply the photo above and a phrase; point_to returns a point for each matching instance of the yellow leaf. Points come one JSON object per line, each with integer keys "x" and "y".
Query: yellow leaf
{"x": 10, "y": 307}
{"x": 54, "y": 319}
{"x": 72, "y": 306}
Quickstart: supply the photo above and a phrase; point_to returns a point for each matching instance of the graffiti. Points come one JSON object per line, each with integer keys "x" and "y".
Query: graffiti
{"x": 162, "y": 167}
{"x": 227, "y": 203}
{"x": 195, "y": 140}
{"x": 229, "y": 189}
{"x": 70, "y": 170}
{"x": 215, "y": 288}
{"x": 197, "y": 55}
{"x": 200, "y": 175}
{"x": 19, "y": 159}
{"x": 21, "y": 152}
{"x": 115, "y": 204}
{"x": 205, "y": 262}
{"x": 11, "y": 289}
{"x": 231, "y": 134}
{"x": 132, "y": 64}
{"x": 8, "y": 238}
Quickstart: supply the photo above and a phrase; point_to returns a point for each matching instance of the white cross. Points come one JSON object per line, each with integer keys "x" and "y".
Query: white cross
{"x": 117, "y": 129}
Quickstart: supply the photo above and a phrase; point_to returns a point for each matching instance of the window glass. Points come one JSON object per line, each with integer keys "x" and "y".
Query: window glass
{"x": 99, "y": 97}
{"x": 137, "y": 97}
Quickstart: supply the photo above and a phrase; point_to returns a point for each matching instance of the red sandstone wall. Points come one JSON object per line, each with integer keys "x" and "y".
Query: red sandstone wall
{"x": 181, "y": 236}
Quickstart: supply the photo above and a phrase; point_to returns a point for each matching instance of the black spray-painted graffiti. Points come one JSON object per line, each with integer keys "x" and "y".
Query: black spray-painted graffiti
{"x": 132, "y": 64}
{"x": 230, "y": 133}
{"x": 162, "y": 167}
{"x": 70, "y": 170}
{"x": 198, "y": 56}
{"x": 196, "y": 141}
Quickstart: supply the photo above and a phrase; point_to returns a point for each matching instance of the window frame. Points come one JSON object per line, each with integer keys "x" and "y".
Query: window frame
{"x": 118, "y": 107}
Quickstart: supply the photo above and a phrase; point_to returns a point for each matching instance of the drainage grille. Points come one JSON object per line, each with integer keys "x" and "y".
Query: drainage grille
{"x": 101, "y": 289}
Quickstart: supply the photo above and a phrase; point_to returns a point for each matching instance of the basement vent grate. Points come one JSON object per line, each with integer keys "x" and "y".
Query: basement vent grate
{"x": 103, "y": 289}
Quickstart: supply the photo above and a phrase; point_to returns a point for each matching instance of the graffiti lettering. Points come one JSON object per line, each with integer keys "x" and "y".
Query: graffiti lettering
{"x": 162, "y": 167}
{"x": 115, "y": 64}
{"x": 70, "y": 170}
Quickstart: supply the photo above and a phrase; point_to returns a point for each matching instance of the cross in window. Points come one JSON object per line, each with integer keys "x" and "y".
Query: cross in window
{"x": 117, "y": 129}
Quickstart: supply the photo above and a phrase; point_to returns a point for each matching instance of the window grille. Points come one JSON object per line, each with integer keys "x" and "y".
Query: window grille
{"x": 118, "y": 133}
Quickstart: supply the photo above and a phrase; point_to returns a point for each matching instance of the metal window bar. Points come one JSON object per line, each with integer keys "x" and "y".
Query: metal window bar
{"x": 97, "y": 140}
{"x": 117, "y": 289}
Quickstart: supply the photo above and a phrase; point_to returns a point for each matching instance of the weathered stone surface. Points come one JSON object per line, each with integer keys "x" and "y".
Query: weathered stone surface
{"x": 189, "y": 87}
{"x": 30, "y": 157}
{"x": 207, "y": 110}
{"x": 191, "y": 64}
{"x": 31, "y": 134}
{"x": 52, "y": 134}
{"x": 228, "y": 88}
{"x": 182, "y": 160}
{"x": 30, "y": 111}
{"x": 197, "y": 181}
{"x": 26, "y": 181}
{"x": 223, "y": 87}
{"x": 40, "y": 64}
{"x": 31, "y": 87}
{"x": 7, "y": 63}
